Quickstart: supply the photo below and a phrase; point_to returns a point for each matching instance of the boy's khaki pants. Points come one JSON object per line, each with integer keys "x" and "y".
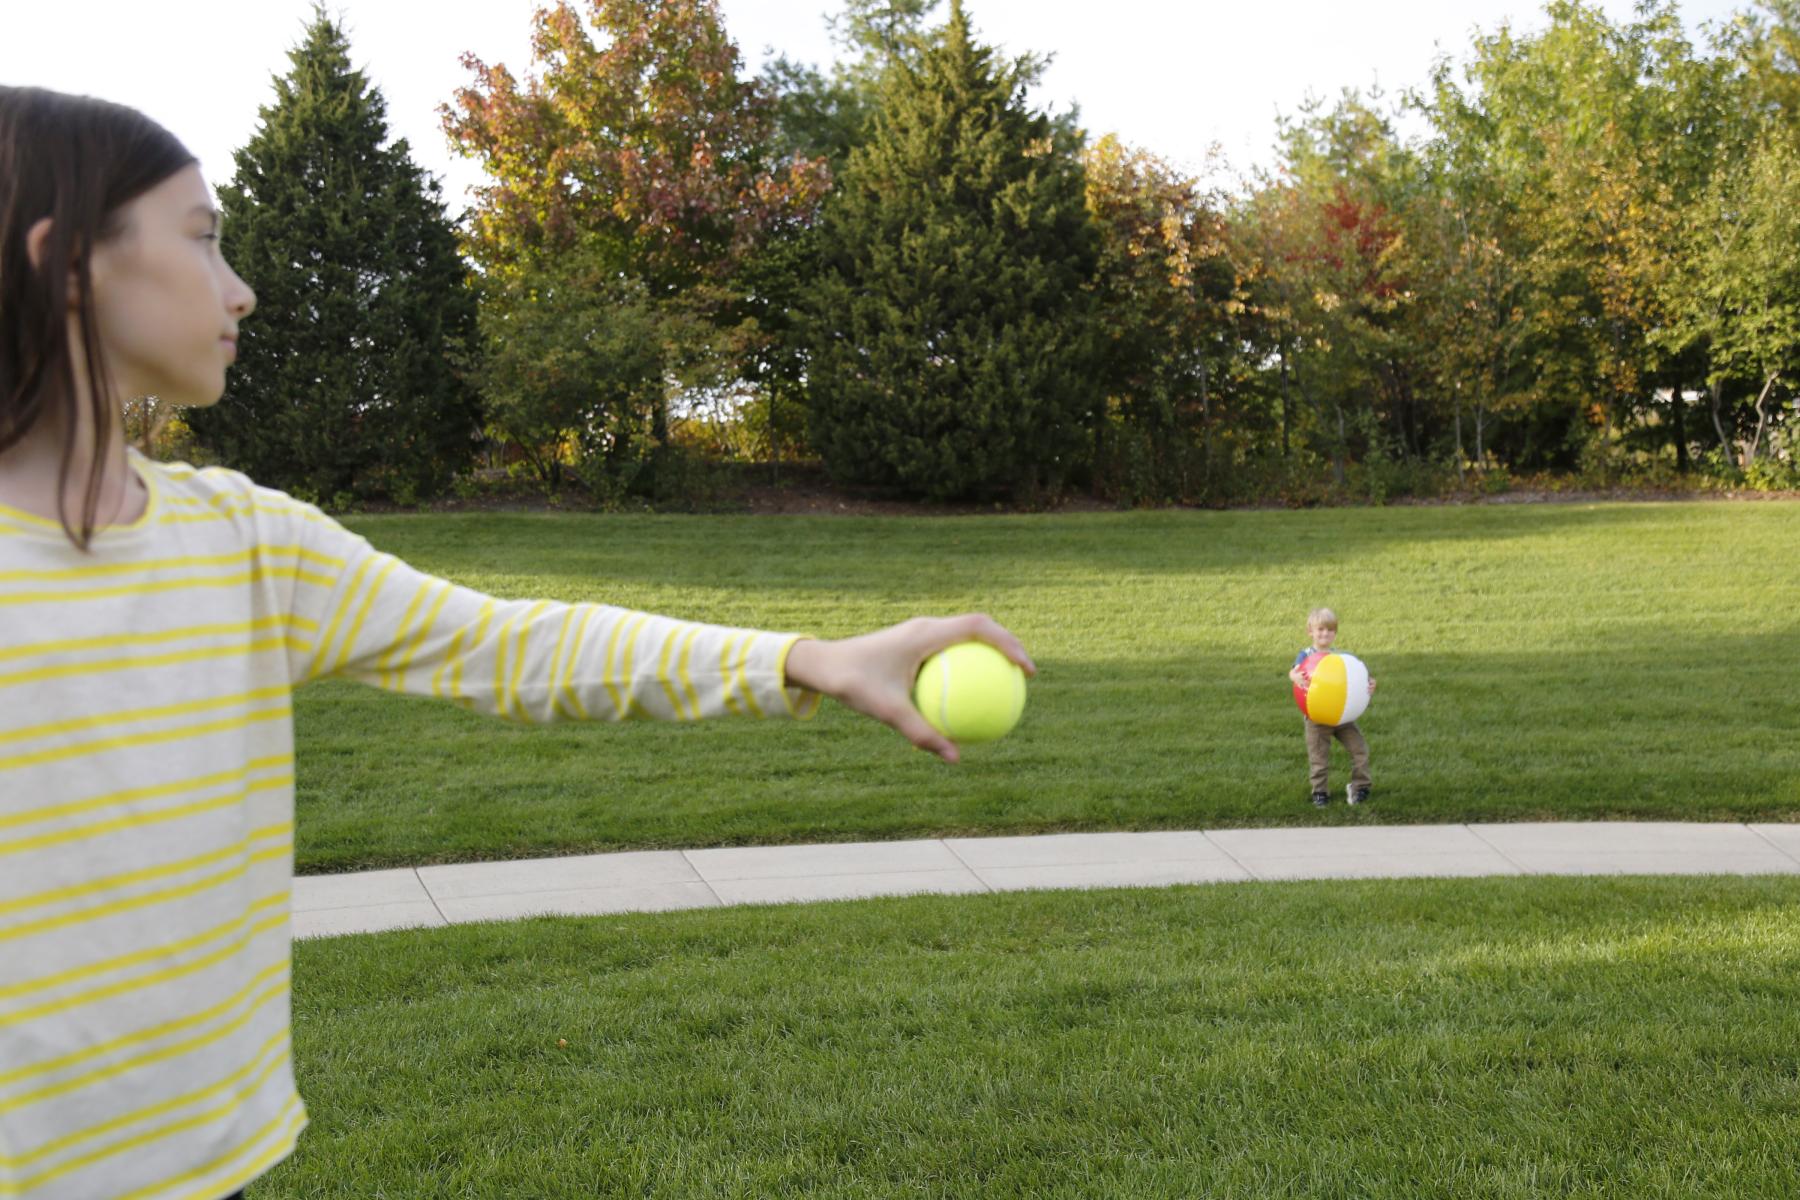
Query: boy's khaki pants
{"x": 1318, "y": 752}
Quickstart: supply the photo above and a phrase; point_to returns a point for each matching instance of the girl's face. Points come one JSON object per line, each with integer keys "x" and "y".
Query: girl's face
{"x": 1322, "y": 637}
{"x": 166, "y": 303}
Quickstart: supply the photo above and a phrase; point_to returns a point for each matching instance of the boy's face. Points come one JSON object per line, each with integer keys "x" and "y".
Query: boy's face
{"x": 1321, "y": 636}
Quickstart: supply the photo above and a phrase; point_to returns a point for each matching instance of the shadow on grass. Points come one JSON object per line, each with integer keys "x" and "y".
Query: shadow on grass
{"x": 887, "y": 555}
{"x": 1666, "y": 729}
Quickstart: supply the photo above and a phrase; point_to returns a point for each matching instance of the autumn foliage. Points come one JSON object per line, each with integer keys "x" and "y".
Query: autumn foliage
{"x": 1581, "y": 261}
{"x": 649, "y": 146}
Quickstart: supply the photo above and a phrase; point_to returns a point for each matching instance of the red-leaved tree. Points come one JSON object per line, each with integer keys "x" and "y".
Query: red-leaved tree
{"x": 647, "y": 148}
{"x": 636, "y": 157}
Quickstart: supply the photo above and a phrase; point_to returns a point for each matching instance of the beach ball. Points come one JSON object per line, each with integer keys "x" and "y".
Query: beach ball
{"x": 1337, "y": 688}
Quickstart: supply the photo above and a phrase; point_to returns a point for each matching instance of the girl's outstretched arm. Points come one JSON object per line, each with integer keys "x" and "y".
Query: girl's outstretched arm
{"x": 380, "y": 621}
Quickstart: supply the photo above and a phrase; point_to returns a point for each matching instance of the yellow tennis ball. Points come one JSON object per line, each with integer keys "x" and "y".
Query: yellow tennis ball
{"x": 970, "y": 692}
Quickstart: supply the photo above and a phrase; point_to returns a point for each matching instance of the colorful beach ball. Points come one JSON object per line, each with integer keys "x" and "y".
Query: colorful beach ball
{"x": 1337, "y": 688}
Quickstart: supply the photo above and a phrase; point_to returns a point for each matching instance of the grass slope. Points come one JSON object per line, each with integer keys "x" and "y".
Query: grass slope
{"x": 1510, "y": 1038}
{"x": 1545, "y": 661}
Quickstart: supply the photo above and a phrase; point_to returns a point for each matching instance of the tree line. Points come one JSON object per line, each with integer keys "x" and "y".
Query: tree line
{"x": 898, "y": 267}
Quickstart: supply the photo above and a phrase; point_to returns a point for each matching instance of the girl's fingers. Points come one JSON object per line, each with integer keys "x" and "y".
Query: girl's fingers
{"x": 982, "y": 628}
{"x": 904, "y": 719}
{"x": 914, "y": 728}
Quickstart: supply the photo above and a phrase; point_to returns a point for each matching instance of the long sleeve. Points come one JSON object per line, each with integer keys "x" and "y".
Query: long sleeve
{"x": 147, "y": 800}
{"x": 384, "y": 623}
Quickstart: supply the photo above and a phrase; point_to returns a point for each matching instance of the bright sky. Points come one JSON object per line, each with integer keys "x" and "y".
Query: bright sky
{"x": 1173, "y": 76}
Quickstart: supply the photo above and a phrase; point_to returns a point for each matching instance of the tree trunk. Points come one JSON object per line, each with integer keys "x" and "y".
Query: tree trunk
{"x": 1400, "y": 414}
{"x": 1714, "y": 392}
{"x": 1337, "y": 453}
{"x": 1762, "y": 418}
{"x": 156, "y": 416}
{"x": 1284, "y": 398}
{"x": 1409, "y": 412}
{"x": 1415, "y": 423}
{"x": 1678, "y": 426}
{"x": 1459, "y": 442}
{"x": 1206, "y": 431}
{"x": 545, "y": 467}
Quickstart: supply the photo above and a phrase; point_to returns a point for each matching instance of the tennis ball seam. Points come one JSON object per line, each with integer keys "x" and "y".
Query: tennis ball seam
{"x": 943, "y": 720}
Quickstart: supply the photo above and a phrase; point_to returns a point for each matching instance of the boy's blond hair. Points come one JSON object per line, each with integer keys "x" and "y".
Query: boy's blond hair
{"x": 1321, "y": 618}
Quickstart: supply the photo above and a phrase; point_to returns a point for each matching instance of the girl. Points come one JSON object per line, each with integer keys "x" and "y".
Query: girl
{"x": 154, "y": 620}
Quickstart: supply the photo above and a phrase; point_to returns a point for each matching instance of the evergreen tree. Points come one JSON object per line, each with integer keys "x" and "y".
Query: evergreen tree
{"x": 948, "y": 334}
{"x": 820, "y": 115}
{"x": 347, "y": 378}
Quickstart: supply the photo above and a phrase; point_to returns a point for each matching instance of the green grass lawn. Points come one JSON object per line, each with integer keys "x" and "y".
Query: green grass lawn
{"x": 1536, "y": 661}
{"x": 1630, "y": 1038}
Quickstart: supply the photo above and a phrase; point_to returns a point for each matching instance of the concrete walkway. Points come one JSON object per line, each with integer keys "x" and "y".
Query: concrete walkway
{"x": 656, "y": 881}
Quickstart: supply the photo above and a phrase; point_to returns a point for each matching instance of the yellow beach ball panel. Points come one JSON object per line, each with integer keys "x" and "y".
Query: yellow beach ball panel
{"x": 1337, "y": 689}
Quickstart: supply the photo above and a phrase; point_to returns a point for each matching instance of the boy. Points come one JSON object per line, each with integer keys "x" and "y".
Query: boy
{"x": 1321, "y": 628}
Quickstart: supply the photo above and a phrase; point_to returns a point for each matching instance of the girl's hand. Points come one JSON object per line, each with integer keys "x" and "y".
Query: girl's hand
{"x": 1296, "y": 678}
{"x": 873, "y": 673}
{"x": 1371, "y": 687}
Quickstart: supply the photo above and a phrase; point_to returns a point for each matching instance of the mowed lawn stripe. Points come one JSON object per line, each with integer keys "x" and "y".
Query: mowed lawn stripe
{"x": 1506, "y": 1038}
{"x": 1549, "y": 661}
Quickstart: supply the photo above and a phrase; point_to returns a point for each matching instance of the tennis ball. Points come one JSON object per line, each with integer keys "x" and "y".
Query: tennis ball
{"x": 970, "y": 692}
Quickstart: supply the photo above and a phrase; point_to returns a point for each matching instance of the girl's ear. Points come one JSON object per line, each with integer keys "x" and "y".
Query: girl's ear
{"x": 36, "y": 239}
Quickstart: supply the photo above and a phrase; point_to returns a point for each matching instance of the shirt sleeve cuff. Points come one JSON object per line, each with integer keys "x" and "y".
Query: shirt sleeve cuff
{"x": 797, "y": 702}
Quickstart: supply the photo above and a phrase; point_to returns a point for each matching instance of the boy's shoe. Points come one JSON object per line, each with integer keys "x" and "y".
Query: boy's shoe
{"x": 1320, "y": 799}
{"x": 1356, "y": 795}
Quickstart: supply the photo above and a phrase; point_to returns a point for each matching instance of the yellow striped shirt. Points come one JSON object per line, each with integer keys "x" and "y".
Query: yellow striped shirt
{"x": 147, "y": 801}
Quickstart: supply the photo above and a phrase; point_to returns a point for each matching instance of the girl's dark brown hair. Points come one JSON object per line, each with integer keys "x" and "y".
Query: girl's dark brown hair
{"x": 77, "y": 161}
